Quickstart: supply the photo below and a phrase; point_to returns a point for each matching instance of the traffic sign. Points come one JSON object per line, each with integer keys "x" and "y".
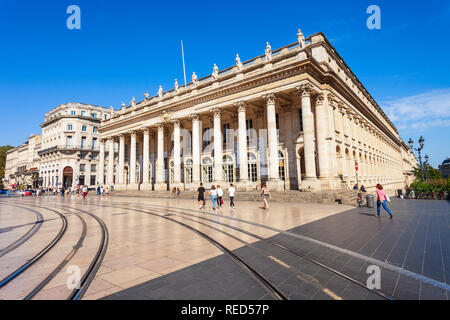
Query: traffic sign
{"x": 356, "y": 165}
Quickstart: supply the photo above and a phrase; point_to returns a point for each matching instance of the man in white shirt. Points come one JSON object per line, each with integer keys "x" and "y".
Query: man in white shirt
{"x": 219, "y": 196}
{"x": 231, "y": 192}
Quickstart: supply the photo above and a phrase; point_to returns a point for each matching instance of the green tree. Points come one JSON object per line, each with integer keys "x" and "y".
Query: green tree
{"x": 432, "y": 173}
{"x": 3, "y": 150}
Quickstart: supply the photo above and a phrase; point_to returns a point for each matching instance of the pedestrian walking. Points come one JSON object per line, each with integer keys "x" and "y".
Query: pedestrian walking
{"x": 381, "y": 200}
{"x": 84, "y": 190}
{"x": 98, "y": 190}
{"x": 265, "y": 193}
{"x": 213, "y": 193}
{"x": 102, "y": 192}
{"x": 106, "y": 193}
{"x": 112, "y": 187}
{"x": 78, "y": 192}
{"x": 231, "y": 192}
{"x": 219, "y": 196}
{"x": 201, "y": 196}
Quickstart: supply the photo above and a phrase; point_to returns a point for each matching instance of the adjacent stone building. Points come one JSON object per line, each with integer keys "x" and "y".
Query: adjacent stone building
{"x": 294, "y": 118}
{"x": 445, "y": 168}
{"x": 70, "y": 145}
{"x": 22, "y": 163}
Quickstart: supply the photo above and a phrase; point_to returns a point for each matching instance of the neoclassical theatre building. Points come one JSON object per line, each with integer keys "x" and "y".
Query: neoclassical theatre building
{"x": 294, "y": 118}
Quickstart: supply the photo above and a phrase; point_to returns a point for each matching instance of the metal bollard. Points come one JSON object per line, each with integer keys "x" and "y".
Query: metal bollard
{"x": 370, "y": 200}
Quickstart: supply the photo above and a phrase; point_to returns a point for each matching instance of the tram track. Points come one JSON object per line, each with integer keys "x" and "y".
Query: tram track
{"x": 8, "y": 279}
{"x": 270, "y": 242}
{"x": 266, "y": 284}
{"x": 87, "y": 278}
{"x": 31, "y": 232}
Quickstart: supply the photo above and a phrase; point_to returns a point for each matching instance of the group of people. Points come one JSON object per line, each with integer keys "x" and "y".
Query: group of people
{"x": 216, "y": 196}
{"x": 216, "y": 193}
{"x": 103, "y": 192}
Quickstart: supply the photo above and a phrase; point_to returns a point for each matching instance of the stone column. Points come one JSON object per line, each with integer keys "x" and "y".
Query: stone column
{"x": 152, "y": 159}
{"x": 132, "y": 156}
{"x": 160, "y": 184}
{"x": 110, "y": 162}
{"x": 101, "y": 163}
{"x": 196, "y": 142}
{"x": 310, "y": 181}
{"x": 146, "y": 161}
{"x": 121, "y": 160}
{"x": 274, "y": 182}
{"x": 322, "y": 134}
{"x": 243, "y": 183}
{"x": 218, "y": 170}
{"x": 177, "y": 155}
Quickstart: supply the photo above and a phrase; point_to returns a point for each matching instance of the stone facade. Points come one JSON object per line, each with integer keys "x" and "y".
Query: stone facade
{"x": 294, "y": 118}
{"x": 22, "y": 163}
{"x": 70, "y": 145}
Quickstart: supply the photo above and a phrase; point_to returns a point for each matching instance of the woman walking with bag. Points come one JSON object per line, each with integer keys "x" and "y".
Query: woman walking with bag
{"x": 381, "y": 200}
{"x": 265, "y": 193}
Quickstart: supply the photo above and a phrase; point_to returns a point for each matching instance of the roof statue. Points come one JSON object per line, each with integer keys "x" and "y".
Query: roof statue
{"x": 215, "y": 73}
{"x": 177, "y": 88}
{"x": 146, "y": 95}
{"x": 268, "y": 52}
{"x": 160, "y": 91}
{"x": 300, "y": 38}
{"x": 194, "y": 79}
{"x": 239, "y": 64}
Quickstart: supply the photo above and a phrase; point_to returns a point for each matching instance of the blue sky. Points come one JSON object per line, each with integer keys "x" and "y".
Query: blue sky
{"x": 125, "y": 48}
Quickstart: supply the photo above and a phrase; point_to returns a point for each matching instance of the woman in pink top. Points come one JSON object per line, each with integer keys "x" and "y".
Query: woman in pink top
{"x": 381, "y": 200}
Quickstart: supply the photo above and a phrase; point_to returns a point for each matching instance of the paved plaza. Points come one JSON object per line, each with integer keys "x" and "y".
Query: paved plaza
{"x": 305, "y": 251}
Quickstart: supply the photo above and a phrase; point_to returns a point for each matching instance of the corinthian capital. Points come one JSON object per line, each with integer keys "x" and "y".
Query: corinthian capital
{"x": 270, "y": 98}
{"x": 305, "y": 90}
{"x": 216, "y": 112}
{"x": 176, "y": 123}
{"x": 194, "y": 117}
{"x": 240, "y": 105}
{"x": 320, "y": 99}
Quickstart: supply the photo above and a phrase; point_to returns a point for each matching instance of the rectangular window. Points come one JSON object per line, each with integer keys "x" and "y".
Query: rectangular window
{"x": 94, "y": 129}
{"x": 69, "y": 141}
{"x": 69, "y": 127}
{"x": 83, "y": 113}
{"x": 225, "y": 132}
{"x": 249, "y": 125}
{"x": 105, "y": 116}
{"x": 93, "y": 156}
{"x": 94, "y": 143}
{"x": 82, "y": 155}
{"x": 72, "y": 113}
{"x": 93, "y": 167}
{"x": 94, "y": 115}
{"x": 206, "y": 137}
{"x": 300, "y": 120}
{"x": 93, "y": 178}
{"x": 83, "y": 128}
{"x": 83, "y": 142}
{"x": 82, "y": 167}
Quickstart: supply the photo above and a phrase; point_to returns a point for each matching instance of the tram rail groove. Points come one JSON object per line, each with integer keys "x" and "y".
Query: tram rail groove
{"x": 289, "y": 251}
{"x": 5, "y": 281}
{"x": 272, "y": 289}
{"x": 91, "y": 271}
{"x": 370, "y": 260}
{"x": 24, "y": 238}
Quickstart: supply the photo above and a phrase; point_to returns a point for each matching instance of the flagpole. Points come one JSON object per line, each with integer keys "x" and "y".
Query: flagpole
{"x": 184, "y": 68}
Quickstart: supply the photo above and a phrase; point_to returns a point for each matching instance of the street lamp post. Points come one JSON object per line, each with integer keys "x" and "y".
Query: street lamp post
{"x": 426, "y": 167}
{"x": 421, "y": 142}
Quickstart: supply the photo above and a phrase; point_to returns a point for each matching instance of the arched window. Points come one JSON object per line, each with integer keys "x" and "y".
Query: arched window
{"x": 227, "y": 165}
{"x": 252, "y": 167}
{"x": 281, "y": 165}
{"x": 207, "y": 170}
{"x": 188, "y": 169}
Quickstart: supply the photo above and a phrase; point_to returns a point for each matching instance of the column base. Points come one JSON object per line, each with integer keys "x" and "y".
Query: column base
{"x": 275, "y": 185}
{"x": 194, "y": 186}
{"x": 161, "y": 186}
{"x": 244, "y": 186}
{"x": 146, "y": 186}
{"x": 178, "y": 185}
{"x": 311, "y": 184}
{"x": 132, "y": 186}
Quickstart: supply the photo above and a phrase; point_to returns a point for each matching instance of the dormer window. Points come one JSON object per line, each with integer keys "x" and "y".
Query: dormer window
{"x": 83, "y": 113}
{"x": 73, "y": 113}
